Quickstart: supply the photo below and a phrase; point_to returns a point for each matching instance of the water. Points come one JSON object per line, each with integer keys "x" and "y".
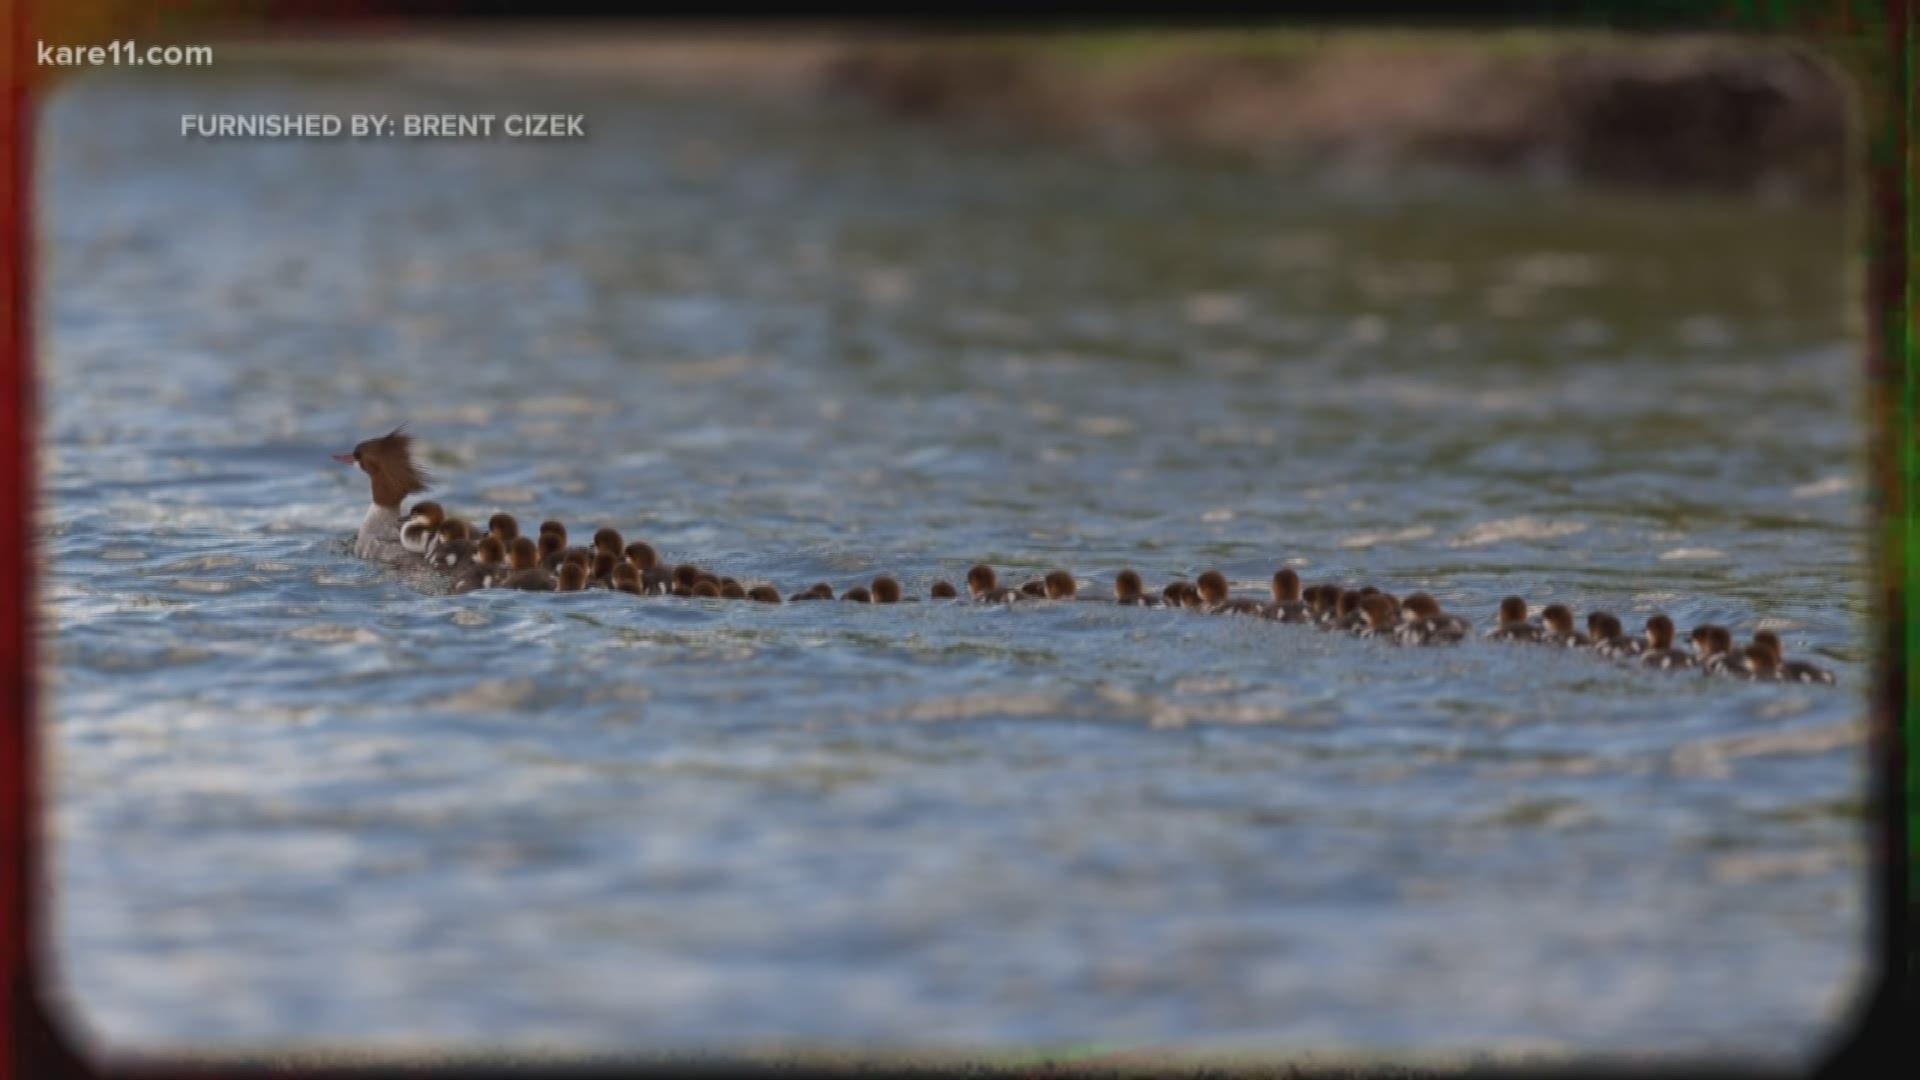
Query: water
{"x": 300, "y": 799}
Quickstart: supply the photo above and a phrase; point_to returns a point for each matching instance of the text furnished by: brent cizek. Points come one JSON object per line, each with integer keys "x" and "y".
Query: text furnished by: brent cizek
{"x": 379, "y": 125}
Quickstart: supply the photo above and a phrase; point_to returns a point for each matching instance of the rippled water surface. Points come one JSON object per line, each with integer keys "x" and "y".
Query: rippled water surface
{"x": 295, "y": 797}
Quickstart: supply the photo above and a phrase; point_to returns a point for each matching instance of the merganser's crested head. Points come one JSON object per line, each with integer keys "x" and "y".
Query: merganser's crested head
{"x": 981, "y": 579}
{"x": 1286, "y": 586}
{"x": 1558, "y": 617}
{"x": 944, "y": 590}
{"x": 607, "y": 538}
{"x": 504, "y": 526}
{"x": 642, "y": 556}
{"x": 858, "y": 594}
{"x": 765, "y": 594}
{"x": 1213, "y": 586}
{"x": 1060, "y": 585}
{"x": 573, "y": 577}
{"x": 626, "y": 578}
{"x": 1513, "y": 609}
{"x": 388, "y": 463}
{"x": 1128, "y": 586}
{"x": 732, "y": 590}
{"x": 706, "y": 588}
{"x": 526, "y": 554}
{"x": 886, "y": 590}
{"x": 1659, "y": 633}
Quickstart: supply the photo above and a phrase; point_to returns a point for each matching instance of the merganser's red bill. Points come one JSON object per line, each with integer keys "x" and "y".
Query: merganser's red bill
{"x": 344, "y": 459}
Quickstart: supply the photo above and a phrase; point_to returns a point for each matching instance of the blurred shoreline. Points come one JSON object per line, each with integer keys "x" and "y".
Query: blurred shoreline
{"x": 1699, "y": 114}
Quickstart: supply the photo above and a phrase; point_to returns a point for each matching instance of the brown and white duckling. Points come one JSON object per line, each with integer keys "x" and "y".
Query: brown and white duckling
{"x": 524, "y": 557}
{"x": 600, "y": 574}
{"x": 1060, "y": 585}
{"x": 1379, "y": 617}
{"x": 704, "y": 589}
{"x": 732, "y": 590}
{"x": 505, "y": 527}
{"x": 984, "y": 585}
{"x": 1323, "y": 604}
{"x": 943, "y": 590}
{"x": 422, "y": 526}
{"x": 858, "y": 594}
{"x": 1422, "y": 622}
{"x": 886, "y": 590}
{"x": 1799, "y": 671}
{"x": 1715, "y": 644}
{"x": 1514, "y": 624}
{"x": 1610, "y": 639}
{"x": 1174, "y": 594}
{"x": 394, "y": 475}
{"x": 572, "y": 578}
{"x": 1034, "y": 587}
{"x": 1128, "y": 589}
{"x": 764, "y": 594}
{"x": 488, "y": 568}
{"x": 626, "y": 579}
{"x": 452, "y": 546}
{"x": 1559, "y": 622}
{"x": 1216, "y": 594}
{"x": 1286, "y": 605}
{"x": 1660, "y": 652}
{"x": 1348, "y": 615}
{"x": 685, "y": 577}
{"x": 819, "y": 591}
{"x": 1759, "y": 664}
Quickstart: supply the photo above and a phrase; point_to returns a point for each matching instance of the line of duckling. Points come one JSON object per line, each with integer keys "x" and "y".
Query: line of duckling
{"x": 501, "y": 558}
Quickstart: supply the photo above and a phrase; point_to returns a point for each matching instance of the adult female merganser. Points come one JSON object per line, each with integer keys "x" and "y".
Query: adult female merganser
{"x": 1610, "y": 638}
{"x": 488, "y": 568}
{"x": 1424, "y": 623}
{"x": 943, "y": 590}
{"x": 984, "y": 584}
{"x": 1286, "y": 606}
{"x": 1560, "y": 631}
{"x": 524, "y": 556}
{"x": 1514, "y": 624}
{"x": 1792, "y": 670}
{"x": 1215, "y": 595}
{"x": 765, "y": 594}
{"x": 1660, "y": 652}
{"x": 389, "y": 465}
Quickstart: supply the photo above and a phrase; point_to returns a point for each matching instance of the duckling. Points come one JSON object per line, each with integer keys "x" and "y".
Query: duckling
{"x": 453, "y": 547}
{"x": 488, "y": 568}
{"x": 1034, "y": 587}
{"x": 1323, "y": 604}
{"x": 1799, "y": 671}
{"x": 943, "y": 590}
{"x": 572, "y": 578}
{"x": 1380, "y": 617}
{"x": 886, "y": 590}
{"x": 1610, "y": 638}
{"x": 685, "y": 577}
{"x": 858, "y": 594}
{"x": 1287, "y": 606}
{"x": 524, "y": 557}
{"x": 1560, "y": 631}
{"x": 765, "y": 594}
{"x": 505, "y": 527}
{"x": 732, "y": 590}
{"x": 1348, "y": 615}
{"x": 1214, "y": 592}
{"x": 1060, "y": 585}
{"x": 1514, "y": 624}
{"x": 642, "y": 555}
{"x": 626, "y": 579}
{"x": 819, "y": 591}
{"x": 1660, "y": 652}
{"x": 608, "y": 539}
{"x": 1759, "y": 664}
{"x": 1424, "y": 623}
{"x": 704, "y": 589}
{"x": 1128, "y": 589}
{"x": 601, "y": 575}
{"x": 1174, "y": 594}
{"x": 422, "y": 525}
{"x": 1716, "y": 645}
{"x": 985, "y": 587}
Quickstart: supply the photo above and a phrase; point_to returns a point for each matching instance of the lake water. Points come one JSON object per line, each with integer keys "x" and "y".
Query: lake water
{"x": 296, "y": 798}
